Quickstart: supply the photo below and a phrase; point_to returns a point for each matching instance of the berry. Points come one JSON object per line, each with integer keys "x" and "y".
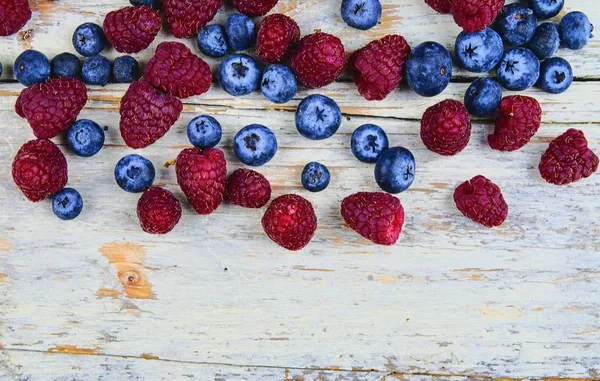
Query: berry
{"x": 132, "y": 29}
{"x": 96, "y": 70}
{"x": 368, "y": 142}
{"x": 14, "y": 14}
{"x": 146, "y": 115}
{"x": 479, "y": 52}
{"x": 158, "y": 211}
{"x": 202, "y": 174}
{"x": 125, "y": 69}
{"x": 376, "y": 216}
{"x": 66, "y": 65}
{"x": 556, "y": 75}
{"x": 39, "y": 169}
{"x": 85, "y": 138}
{"x": 88, "y": 39}
{"x": 0, "y": 69}
{"x": 185, "y": 18}
{"x": 475, "y": 15}
{"x": 248, "y": 188}
{"x": 378, "y": 68}
{"x": 239, "y": 74}
{"x": 318, "y": 117}
{"x": 446, "y": 128}
{"x": 518, "y": 70}
{"x": 278, "y": 84}
{"x": 440, "y": 6}
{"x": 277, "y": 35}
{"x": 134, "y": 173}
{"x": 315, "y": 177}
{"x": 204, "y": 131}
{"x": 545, "y": 9}
{"x": 240, "y": 31}
{"x": 290, "y": 222}
{"x": 31, "y": 67}
{"x": 568, "y": 159}
{"x": 255, "y": 145}
{"x": 67, "y": 204}
{"x": 254, "y": 8}
{"x": 520, "y": 118}
{"x": 318, "y": 60}
{"x": 212, "y": 41}
{"x": 395, "y": 170}
{"x": 545, "y": 41}
{"x": 148, "y": 3}
{"x": 361, "y": 14}
{"x": 429, "y": 69}
{"x": 516, "y": 24}
{"x": 481, "y": 200}
{"x": 483, "y": 97}
{"x": 575, "y": 30}
{"x": 51, "y": 107}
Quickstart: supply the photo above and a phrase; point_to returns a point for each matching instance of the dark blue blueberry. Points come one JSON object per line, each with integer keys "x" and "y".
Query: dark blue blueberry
{"x": 212, "y": 42}
{"x": 85, "y": 137}
{"x": 0, "y": 69}
{"x": 255, "y": 145}
{"x": 315, "y": 177}
{"x": 519, "y": 69}
{"x": 368, "y": 143}
{"x": 545, "y": 9}
{"x": 575, "y": 30}
{"x": 516, "y": 24}
{"x": 361, "y": 14}
{"x": 278, "y": 84}
{"x": 556, "y": 75}
{"x": 31, "y": 67}
{"x": 545, "y": 41}
{"x": 204, "y": 131}
{"x": 134, "y": 173}
{"x": 395, "y": 170}
{"x": 148, "y": 3}
{"x": 67, "y": 204}
{"x": 483, "y": 97}
{"x": 239, "y": 74}
{"x": 479, "y": 52}
{"x": 66, "y": 65}
{"x": 126, "y": 69}
{"x": 318, "y": 117}
{"x": 240, "y": 31}
{"x": 89, "y": 39}
{"x": 96, "y": 70}
{"x": 429, "y": 69}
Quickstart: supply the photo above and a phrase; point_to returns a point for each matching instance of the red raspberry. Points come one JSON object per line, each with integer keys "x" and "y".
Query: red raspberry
{"x": 378, "y": 68}
{"x": 446, "y": 127}
{"x": 51, "y": 107}
{"x": 520, "y": 118}
{"x": 441, "y": 6}
{"x": 14, "y": 14}
{"x": 481, "y": 200}
{"x": 185, "y": 18}
{"x": 277, "y": 34}
{"x": 377, "y": 216}
{"x": 146, "y": 115}
{"x": 290, "y": 221}
{"x": 475, "y": 15}
{"x": 158, "y": 211}
{"x": 248, "y": 188}
{"x": 318, "y": 60}
{"x": 202, "y": 174}
{"x": 568, "y": 159}
{"x": 132, "y": 29}
{"x": 254, "y": 8}
{"x": 174, "y": 69}
{"x": 39, "y": 169}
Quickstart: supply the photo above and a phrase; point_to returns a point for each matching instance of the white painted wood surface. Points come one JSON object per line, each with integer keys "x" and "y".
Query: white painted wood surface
{"x": 215, "y": 300}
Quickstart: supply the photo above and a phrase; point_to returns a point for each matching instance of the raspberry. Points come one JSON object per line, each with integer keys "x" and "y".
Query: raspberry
{"x": 51, "y": 107}
{"x": 39, "y": 169}
{"x": 146, "y": 115}
{"x": 378, "y": 68}
{"x": 520, "y": 118}
{"x": 446, "y": 127}
{"x": 481, "y": 200}
{"x": 290, "y": 221}
{"x": 318, "y": 60}
{"x": 185, "y": 18}
{"x": 568, "y": 159}
{"x": 248, "y": 188}
{"x": 174, "y": 69}
{"x": 277, "y": 34}
{"x": 158, "y": 211}
{"x": 201, "y": 174}
{"x": 254, "y": 8}
{"x": 132, "y": 29}
{"x": 441, "y": 6}
{"x": 475, "y": 15}
{"x": 14, "y": 14}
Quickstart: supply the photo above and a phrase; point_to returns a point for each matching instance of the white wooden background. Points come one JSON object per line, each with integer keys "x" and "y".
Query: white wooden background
{"x": 96, "y": 298}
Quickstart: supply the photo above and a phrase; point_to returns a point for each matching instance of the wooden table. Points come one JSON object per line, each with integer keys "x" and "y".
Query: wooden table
{"x": 96, "y": 298}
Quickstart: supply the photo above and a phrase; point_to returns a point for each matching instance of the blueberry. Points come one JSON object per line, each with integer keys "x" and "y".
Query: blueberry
{"x": 204, "y": 131}
{"x": 318, "y": 117}
{"x": 96, "y": 70}
{"x": 240, "y": 31}
{"x": 89, "y": 39}
{"x": 575, "y": 30}
{"x": 212, "y": 42}
{"x": 516, "y": 24}
{"x": 255, "y": 145}
{"x": 519, "y": 69}
{"x": 239, "y": 74}
{"x": 395, "y": 170}
{"x": 134, "y": 173}
{"x": 31, "y": 67}
{"x": 556, "y": 75}
{"x": 315, "y": 177}
{"x": 126, "y": 69}
{"x": 545, "y": 41}
{"x": 66, "y": 65}
{"x": 429, "y": 69}
{"x": 368, "y": 143}
{"x": 479, "y": 52}
{"x": 67, "y": 204}
{"x": 85, "y": 137}
{"x": 278, "y": 84}
{"x": 0, "y": 69}
{"x": 545, "y": 9}
{"x": 483, "y": 97}
{"x": 361, "y": 14}
{"x": 148, "y": 3}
